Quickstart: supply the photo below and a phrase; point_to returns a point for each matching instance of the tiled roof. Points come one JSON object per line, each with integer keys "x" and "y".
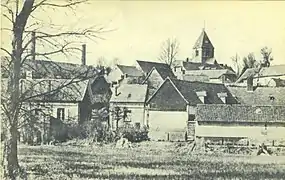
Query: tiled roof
{"x": 277, "y": 70}
{"x": 51, "y": 90}
{"x": 240, "y": 113}
{"x": 52, "y": 69}
{"x": 188, "y": 90}
{"x": 130, "y": 70}
{"x": 147, "y": 66}
{"x": 191, "y": 77}
{"x": 189, "y": 66}
{"x": 212, "y": 73}
{"x": 130, "y": 93}
{"x": 260, "y": 96}
{"x": 203, "y": 41}
{"x": 249, "y": 72}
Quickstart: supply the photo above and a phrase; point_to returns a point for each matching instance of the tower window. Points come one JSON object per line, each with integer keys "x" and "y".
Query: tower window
{"x": 197, "y": 53}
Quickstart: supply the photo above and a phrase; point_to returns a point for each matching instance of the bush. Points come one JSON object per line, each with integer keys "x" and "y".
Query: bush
{"x": 133, "y": 134}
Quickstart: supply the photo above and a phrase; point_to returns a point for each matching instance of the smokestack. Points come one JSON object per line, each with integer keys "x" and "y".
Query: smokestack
{"x": 83, "y": 59}
{"x": 33, "y": 48}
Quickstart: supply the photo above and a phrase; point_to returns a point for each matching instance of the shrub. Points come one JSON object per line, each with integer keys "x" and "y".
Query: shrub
{"x": 134, "y": 134}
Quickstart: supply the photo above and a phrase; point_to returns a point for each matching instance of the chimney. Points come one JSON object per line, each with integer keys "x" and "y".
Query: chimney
{"x": 223, "y": 97}
{"x": 202, "y": 95}
{"x": 116, "y": 91}
{"x": 187, "y": 59}
{"x": 33, "y": 48}
{"x": 250, "y": 84}
{"x": 83, "y": 58}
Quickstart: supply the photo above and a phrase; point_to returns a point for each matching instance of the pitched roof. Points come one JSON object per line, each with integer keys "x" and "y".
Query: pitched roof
{"x": 191, "y": 77}
{"x": 51, "y": 69}
{"x": 130, "y": 70}
{"x": 212, "y": 73}
{"x": 203, "y": 41}
{"x": 260, "y": 96}
{"x": 189, "y": 66}
{"x": 135, "y": 93}
{"x": 240, "y": 113}
{"x": 147, "y": 66}
{"x": 50, "y": 90}
{"x": 188, "y": 91}
{"x": 276, "y": 70}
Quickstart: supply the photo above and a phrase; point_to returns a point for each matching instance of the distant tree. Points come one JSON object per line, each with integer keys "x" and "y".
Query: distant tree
{"x": 267, "y": 56}
{"x": 169, "y": 51}
{"x": 101, "y": 62}
{"x": 249, "y": 62}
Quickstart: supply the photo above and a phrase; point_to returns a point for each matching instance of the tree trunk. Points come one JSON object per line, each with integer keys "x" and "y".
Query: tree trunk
{"x": 11, "y": 165}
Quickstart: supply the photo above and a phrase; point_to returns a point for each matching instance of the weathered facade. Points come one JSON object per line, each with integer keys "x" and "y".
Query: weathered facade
{"x": 175, "y": 102}
{"x": 240, "y": 121}
{"x": 128, "y": 99}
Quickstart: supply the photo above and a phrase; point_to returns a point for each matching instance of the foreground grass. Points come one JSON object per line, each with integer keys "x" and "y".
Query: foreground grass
{"x": 148, "y": 160}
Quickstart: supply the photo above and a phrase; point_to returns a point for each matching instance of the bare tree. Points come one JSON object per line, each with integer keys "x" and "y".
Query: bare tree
{"x": 249, "y": 62}
{"x": 236, "y": 60}
{"x": 101, "y": 61}
{"x": 169, "y": 51}
{"x": 23, "y": 20}
{"x": 267, "y": 56}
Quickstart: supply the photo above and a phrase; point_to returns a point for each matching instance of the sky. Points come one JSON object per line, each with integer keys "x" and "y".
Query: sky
{"x": 139, "y": 28}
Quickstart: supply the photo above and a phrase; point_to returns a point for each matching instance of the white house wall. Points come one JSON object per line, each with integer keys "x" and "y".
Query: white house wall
{"x": 255, "y": 132}
{"x": 163, "y": 122}
{"x": 136, "y": 116}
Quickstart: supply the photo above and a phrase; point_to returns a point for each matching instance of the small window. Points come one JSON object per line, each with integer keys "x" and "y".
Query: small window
{"x": 196, "y": 53}
{"x": 60, "y": 113}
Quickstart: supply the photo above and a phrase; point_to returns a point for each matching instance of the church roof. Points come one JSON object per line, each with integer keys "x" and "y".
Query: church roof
{"x": 203, "y": 41}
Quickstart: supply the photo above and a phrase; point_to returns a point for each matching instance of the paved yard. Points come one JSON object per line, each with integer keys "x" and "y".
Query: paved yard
{"x": 148, "y": 160}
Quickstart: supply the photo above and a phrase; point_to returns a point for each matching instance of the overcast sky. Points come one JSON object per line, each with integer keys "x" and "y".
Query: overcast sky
{"x": 141, "y": 27}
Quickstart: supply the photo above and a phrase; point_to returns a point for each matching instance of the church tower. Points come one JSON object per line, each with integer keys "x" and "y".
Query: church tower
{"x": 203, "y": 48}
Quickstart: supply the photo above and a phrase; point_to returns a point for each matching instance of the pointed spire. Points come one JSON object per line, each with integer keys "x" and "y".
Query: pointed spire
{"x": 203, "y": 40}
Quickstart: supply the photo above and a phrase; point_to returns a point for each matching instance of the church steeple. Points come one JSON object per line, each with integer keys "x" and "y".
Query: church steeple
{"x": 203, "y": 49}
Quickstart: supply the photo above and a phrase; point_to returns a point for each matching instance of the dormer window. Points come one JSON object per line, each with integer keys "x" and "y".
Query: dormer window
{"x": 202, "y": 95}
{"x": 223, "y": 97}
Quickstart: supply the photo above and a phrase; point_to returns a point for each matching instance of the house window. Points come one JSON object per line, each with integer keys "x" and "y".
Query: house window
{"x": 197, "y": 53}
{"x": 60, "y": 113}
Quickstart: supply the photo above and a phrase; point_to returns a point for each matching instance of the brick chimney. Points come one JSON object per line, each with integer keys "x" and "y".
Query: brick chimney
{"x": 250, "y": 83}
{"x": 33, "y": 46}
{"x": 83, "y": 58}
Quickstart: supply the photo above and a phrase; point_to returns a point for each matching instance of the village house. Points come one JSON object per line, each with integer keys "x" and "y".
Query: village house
{"x": 64, "y": 92}
{"x": 129, "y": 99}
{"x": 264, "y": 76}
{"x": 203, "y": 62}
{"x": 172, "y": 107}
{"x": 158, "y": 73}
{"x": 259, "y": 114}
{"x": 125, "y": 74}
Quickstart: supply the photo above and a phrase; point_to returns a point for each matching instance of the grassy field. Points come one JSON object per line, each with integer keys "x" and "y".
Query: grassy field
{"x": 148, "y": 160}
